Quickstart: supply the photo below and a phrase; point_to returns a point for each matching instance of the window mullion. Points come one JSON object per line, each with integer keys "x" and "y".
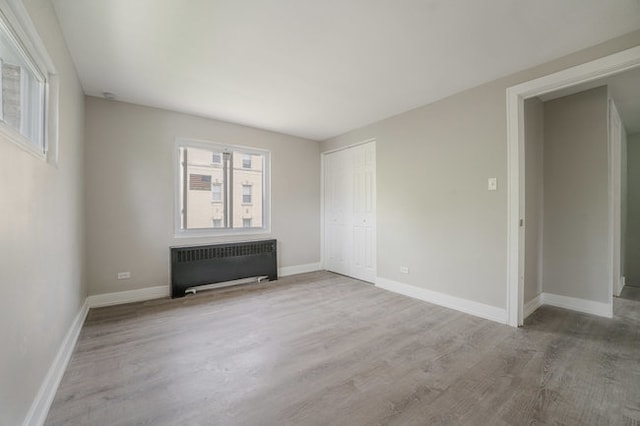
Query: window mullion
{"x": 1, "y": 91}
{"x": 185, "y": 187}
{"x": 231, "y": 195}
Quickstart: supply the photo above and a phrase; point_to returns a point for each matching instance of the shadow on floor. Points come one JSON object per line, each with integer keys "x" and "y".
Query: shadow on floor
{"x": 630, "y": 293}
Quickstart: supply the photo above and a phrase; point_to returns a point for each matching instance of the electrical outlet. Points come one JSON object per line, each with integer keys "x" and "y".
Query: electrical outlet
{"x": 124, "y": 275}
{"x": 404, "y": 269}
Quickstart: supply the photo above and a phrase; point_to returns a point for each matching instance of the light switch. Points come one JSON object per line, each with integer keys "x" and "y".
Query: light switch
{"x": 492, "y": 184}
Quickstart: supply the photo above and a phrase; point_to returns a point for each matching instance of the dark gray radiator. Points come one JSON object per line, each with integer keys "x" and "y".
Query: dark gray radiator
{"x": 210, "y": 264}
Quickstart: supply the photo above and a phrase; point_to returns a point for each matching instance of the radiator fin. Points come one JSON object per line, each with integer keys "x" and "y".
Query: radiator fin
{"x": 197, "y": 254}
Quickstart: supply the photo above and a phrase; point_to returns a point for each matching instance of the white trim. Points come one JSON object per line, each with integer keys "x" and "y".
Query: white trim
{"x": 623, "y": 283}
{"x": 322, "y": 206}
{"x": 342, "y": 148}
{"x": 603, "y": 67}
{"x": 285, "y": 271}
{"x": 572, "y": 303}
{"x": 159, "y": 292}
{"x": 533, "y": 304}
{"x": 40, "y": 407}
{"x": 515, "y": 276}
{"x": 129, "y": 296}
{"x": 21, "y": 24}
{"x": 614, "y": 147}
{"x": 463, "y": 305}
{"x": 579, "y": 305}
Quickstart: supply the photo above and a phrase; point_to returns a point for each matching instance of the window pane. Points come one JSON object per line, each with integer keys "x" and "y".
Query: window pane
{"x": 204, "y": 184}
{"x": 216, "y": 192}
{"x": 246, "y": 193}
{"x": 221, "y": 194}
{"x": 246, "y": 161}
{"x": 22, "y": 90}
{"x": 248, "y": 185}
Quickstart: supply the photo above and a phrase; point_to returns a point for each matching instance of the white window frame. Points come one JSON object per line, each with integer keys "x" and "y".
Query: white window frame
{"x": 245, "y": 159}
{"x": 221, "y": 232}
{"x": 216, "y": 185}
{"x": 22, "y": 30}
{"x": 250, "y": 194}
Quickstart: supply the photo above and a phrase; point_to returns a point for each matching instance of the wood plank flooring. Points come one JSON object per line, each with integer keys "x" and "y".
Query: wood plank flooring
{"x": 322, "y": 349}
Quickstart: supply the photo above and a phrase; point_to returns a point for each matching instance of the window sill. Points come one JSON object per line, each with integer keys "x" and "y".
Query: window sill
{"x": 22, "y": 142}
{"x": 217, "y": 233}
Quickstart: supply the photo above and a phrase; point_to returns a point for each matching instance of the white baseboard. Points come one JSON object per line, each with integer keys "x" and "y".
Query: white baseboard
{"x": 40, "y": 407}
{"x": 533, "y": 304}
{"x": 298, "y": 269}
{"x": 120, "y": 297}
{"x": 579, "y": 305}
{"x": 464, "y": 305}
{"x": 150, "y": 293}
{"x": 623, "y": 283}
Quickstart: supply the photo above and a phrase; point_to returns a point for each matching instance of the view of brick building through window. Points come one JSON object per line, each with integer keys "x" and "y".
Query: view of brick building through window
{"x": 11, "y": 95}
{"x": 220, "y": 190}
{"x": 22, "y": 90}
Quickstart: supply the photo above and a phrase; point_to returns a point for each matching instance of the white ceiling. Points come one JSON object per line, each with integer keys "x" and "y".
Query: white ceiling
{"x": 317, "y": 69}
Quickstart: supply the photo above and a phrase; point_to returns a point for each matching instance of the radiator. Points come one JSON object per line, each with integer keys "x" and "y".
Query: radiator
{"x": 209, "y": 264}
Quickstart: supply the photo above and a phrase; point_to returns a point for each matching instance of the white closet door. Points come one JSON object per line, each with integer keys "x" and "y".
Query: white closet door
{"x": 350, "y": 216}
{"x": 336, "y": 199}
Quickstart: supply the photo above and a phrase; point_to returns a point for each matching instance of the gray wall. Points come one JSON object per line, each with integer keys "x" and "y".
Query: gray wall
{"x": 435, "y": 214}
{"x": 534, "y": 181}
{"x": 576, "y": 196}
{"x": 632, "y": 251}
{"x": 41, "y": 240}
{"x": 130, "y": 191}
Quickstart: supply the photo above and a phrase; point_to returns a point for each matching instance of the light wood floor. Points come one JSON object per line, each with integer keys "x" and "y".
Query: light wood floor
{"x": 322, "y": 349}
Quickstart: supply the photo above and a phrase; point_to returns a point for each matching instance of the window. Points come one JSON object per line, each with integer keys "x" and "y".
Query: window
{"x": 216, "y": 192}
{"x": 28, "y": 85}
{"x": 216, "y": 158}
{"x": 214, "y": 199}
{"x": 246, "y": 194}
{"x": 246, "y": 161}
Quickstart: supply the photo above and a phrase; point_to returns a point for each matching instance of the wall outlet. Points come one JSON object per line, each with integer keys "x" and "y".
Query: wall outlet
{"x": 404, "y": 269}
{"x": 124, "y": 275}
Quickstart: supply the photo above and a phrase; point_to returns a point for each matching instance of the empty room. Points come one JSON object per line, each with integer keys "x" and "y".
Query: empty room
{"x": 413, "y": 212}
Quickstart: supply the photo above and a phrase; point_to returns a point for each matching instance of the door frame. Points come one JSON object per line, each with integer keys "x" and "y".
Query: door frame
{"x": 323, "y": 155}
{"x": 516, "y": 95}
{"x": 615, "y": 207}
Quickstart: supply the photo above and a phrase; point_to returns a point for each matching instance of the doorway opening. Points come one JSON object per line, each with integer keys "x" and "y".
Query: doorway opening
{"x": 516, "y": 96}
